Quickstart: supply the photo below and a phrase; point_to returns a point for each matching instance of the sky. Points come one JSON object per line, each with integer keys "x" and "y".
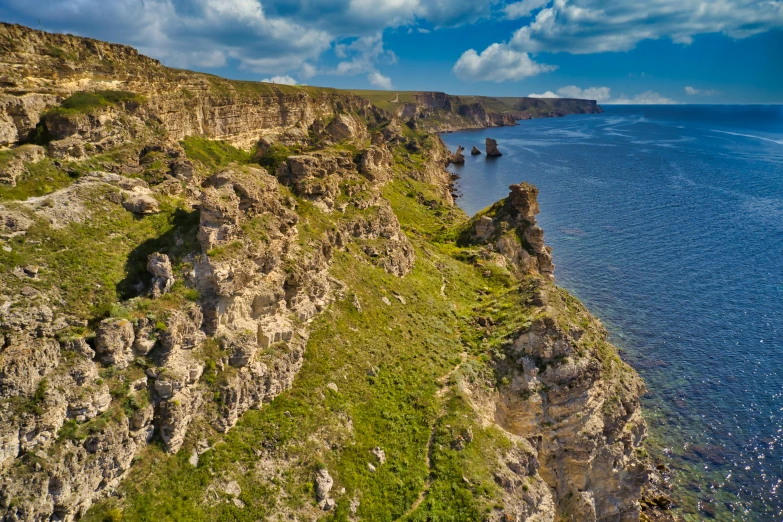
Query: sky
{"x": 657, "y": 51}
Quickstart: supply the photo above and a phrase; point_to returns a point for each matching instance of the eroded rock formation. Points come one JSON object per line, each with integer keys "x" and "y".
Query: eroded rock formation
{"x": 492, "y": 148}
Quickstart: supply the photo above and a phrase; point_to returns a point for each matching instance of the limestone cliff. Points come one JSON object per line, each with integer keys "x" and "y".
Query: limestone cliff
{"x": 225, "y": 300}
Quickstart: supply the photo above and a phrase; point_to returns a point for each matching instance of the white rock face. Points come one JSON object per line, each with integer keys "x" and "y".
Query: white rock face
{"x": 159, "y": 265}
{"x": 114, "y": 342}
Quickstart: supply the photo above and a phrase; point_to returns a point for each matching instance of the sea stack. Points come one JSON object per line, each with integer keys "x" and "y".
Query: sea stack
{"x": 492, "y": 148}
{"x": 475, "y": 151}
{"x": 458, "y": 158}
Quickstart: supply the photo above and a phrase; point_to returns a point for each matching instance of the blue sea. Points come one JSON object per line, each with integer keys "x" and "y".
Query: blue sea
{"x": 667, "y": 222}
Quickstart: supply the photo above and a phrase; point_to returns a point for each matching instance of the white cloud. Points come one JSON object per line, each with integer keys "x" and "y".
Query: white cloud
{"x": 376, "y": 79}
{"x": 271, "y": 37}
{"x": 307, "y": 71}
{"x": 692, "y": 91}
{"x": 523, "y": 9}
{"x": 284, "y": 80}
{"x": 590, "y": 26}
{"x": 547, "y": 94}
{"x": 498, "y": 63}
{"x": 645, "y": 98}
{"x": 603, "y": 95}
{"x": 591, "y": 93}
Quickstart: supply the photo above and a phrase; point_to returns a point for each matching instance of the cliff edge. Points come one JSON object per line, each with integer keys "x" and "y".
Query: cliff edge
{"x": 225, "y": 300}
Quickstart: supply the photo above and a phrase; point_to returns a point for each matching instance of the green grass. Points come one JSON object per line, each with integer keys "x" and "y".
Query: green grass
{"x": 85, "y": 102}
{"x": 96, "y": 263}
{"x": 383, "y": 99}
{"x": 213, "y": 154}
{"x": 42, "y": 178}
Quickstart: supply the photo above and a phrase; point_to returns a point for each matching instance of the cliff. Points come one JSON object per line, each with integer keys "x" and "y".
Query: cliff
{"x": 222, "y": 300}
{"x": 441, "y": 112}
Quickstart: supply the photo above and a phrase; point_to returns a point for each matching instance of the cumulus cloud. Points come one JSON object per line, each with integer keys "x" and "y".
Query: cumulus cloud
{"x": 269, "y": 37}
{"x": 547, "y": 94}
{"x": 523, "y": 9}
{"x": 307, "y": 71}
{"x": 498, "y": 63}
{"x": 376, "y": 79}
{"x": 284, "y": 80}
{"x": 590, "y": 93}
{"x": 603, "y": 95}
{"x": 590, "y": 26}
{"x": 645, "y": 98}
{"x": 692, "y": 91}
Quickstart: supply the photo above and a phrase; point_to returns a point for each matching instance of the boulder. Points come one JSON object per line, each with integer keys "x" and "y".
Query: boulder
{"x": 114, "y": 342}
{"x": 344, "y": 127}
{"x": 159, "y": 265}
{"x": 475, "y": 151}
{"x": 492, "y": 148}
{"x": 323, "y": 484}
{"x": 141, "y": 204}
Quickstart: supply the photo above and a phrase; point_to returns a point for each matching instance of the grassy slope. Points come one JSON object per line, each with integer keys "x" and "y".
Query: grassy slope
{"x": 411, "y": 408}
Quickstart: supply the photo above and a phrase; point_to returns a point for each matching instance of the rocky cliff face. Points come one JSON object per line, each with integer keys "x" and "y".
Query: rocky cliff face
{"x": 157, "y": 285}
{"x": 562, "y": 383}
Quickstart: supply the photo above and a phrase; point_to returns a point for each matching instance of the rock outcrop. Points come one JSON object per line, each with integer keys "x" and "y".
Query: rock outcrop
{"x": 492, "y": 148}
{"x": 475, "y": 151}
{"x": 458, "y": 158}
{"x": 510, "y": 233}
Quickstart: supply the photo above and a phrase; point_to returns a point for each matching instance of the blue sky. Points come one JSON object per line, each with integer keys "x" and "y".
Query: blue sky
{"x": 659, "y": 51}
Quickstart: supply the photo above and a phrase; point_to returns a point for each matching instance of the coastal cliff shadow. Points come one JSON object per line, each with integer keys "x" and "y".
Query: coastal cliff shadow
{"x": 180, "y": 240}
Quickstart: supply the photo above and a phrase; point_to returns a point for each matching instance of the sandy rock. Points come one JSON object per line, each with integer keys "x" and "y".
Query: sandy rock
{"x": 475, "y": 151}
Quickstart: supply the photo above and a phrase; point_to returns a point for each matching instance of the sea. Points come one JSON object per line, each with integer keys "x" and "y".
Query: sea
{"x": 667, "y": 222}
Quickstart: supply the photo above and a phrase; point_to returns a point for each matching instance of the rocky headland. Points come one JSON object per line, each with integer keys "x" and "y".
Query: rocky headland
{"x": 226, "y": 300}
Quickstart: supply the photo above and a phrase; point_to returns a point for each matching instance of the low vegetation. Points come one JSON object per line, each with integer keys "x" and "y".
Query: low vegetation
{"x": 84, "y": 102}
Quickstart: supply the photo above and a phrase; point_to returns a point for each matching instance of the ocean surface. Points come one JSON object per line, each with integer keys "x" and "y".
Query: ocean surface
{"x": 667, "y": 222}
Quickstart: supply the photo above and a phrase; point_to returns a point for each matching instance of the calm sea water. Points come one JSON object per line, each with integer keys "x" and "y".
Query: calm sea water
{"x": 667, "y": 221}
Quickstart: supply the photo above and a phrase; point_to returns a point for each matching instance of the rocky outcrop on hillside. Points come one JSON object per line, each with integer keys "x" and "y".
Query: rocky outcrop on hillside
{"x": 568, "y": 391}
{"x": 509, "y": 232}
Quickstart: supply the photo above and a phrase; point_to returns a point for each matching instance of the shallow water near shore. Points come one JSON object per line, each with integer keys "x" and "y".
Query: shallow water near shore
{"x": 667, "y": 222}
